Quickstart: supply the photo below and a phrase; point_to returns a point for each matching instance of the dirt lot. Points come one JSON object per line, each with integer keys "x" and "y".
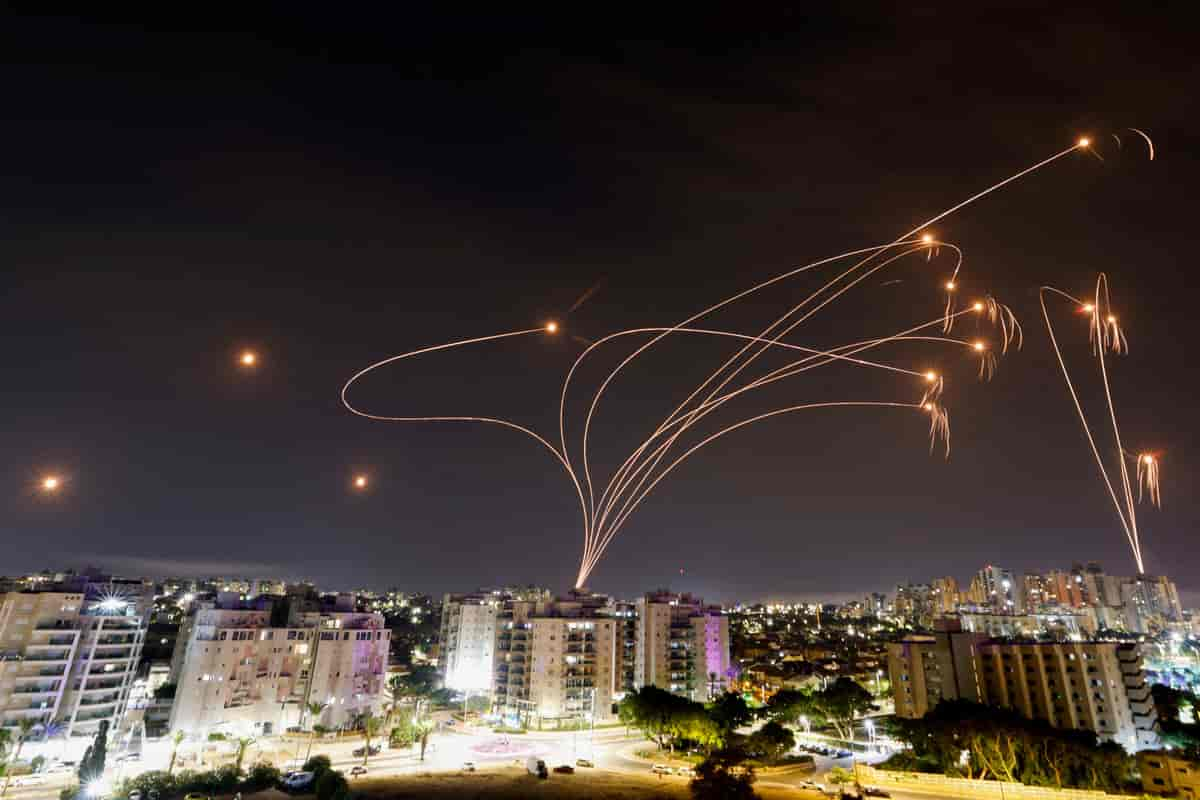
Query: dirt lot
{"x": 512, "y": 783}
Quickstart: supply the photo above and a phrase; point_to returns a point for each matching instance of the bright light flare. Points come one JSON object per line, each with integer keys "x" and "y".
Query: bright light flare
{"x": 1087, "y": 308}
{"x": 951, "y": 286}
{"x": 1147, "y": 478}
{"x": 51, "y": 483}
{"x": 927, "y": 238}
{"x": 978, "y": 346}
{"x": 931, "y": 376}
{"x": 977, "y": 306}
{"x": 360, "y": 481}
{"x": 248, "y": 358}
{"x": 551, "y": 327}
{"x": 1083, "y": 141}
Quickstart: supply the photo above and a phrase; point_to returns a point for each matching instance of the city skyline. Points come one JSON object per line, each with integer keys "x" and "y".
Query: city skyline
{"x": 161, "y": 228}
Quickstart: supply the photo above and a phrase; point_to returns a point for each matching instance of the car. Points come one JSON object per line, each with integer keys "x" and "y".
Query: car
{"x": 565, "y": 769}
{"x": 844, "y": 754}
{"x": 583, "y": 762}
{"x": 61, "y": 766}
{"x": 661, "y": 769}
{"x": 196, "y": 796}
{"x": 685, "y": 772}
{"x": 360, "y": 752}
{"x": 296, "y": 781}
{"x": 469, "y": 766}
{"x": 811, "y": 785}
{"x": 358, "y": 769}
{"x": 36, "y": 779}
{"x": 126, "y": 758}
{"x": 874, "y": 791}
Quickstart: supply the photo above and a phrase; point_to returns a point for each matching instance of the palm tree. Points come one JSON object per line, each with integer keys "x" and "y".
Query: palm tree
{"x": 370, "y": 726}
{"x": 25, "y": 729}
{"x": 314, "y": 713}
{"x": 394, "y": 691}
{"x": 243, "y": 742}
{"x": 5, "y": 741}
{"x": 176, "y": 740}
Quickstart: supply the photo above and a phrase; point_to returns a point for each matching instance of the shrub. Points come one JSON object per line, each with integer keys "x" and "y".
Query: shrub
{"x": 332, "y": 785}
{"x": 155, "y": 781}
{"x": 37, "y": 763}
{"x": 715, "y": 781}
{"x": 318, "y": 766}
{"x": 68, "y": 792}
{"x": 261, "y": 776}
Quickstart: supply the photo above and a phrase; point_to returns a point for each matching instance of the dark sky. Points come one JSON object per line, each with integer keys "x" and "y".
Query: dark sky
{"x": 332, "y": 188}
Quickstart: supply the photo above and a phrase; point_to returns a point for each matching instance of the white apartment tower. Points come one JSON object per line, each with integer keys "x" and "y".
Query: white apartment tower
{"x": 682, "y": 645}
{"x": 468, "y": 637}
{"x": 69, "y": 651}
{"x": 255, "y": 665}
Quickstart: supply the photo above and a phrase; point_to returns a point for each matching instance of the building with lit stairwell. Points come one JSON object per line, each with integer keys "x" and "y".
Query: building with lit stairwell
{"x": 682, "y": 645}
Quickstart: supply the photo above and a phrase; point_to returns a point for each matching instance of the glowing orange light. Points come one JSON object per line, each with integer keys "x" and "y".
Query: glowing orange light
{"x": 1111, "y": 319}
{"x": 927, "y": 238}
{"x": 950, "y": 286}
{"x": 1148, "y": 459}
{"x": 978, "y": 346}
{"x": 978, "y": 306}
{"x": 929, "y": 406}
{"x": 360, "y": 482}
{"x": 931, "y": 376}
{"x": 249, "y": 358}
{"x": 50, "y": 483}
{"x": 1084, "y": 141}
{"x": 1088, "y": 308}
{"x": 552, "y": 327}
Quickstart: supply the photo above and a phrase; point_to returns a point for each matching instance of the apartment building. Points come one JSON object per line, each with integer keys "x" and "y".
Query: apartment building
{"x": 682, "y": 645}
{"x": 254, "y": 665}
{"x": 1096, "y": 686}
{"x": 467, "y": 637}
{"x": 69, "y": 651}
{"x": 1170, "y": 773}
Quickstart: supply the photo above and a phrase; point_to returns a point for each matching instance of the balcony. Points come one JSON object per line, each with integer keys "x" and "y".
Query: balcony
{"x": 52, "y": 689}
{"x": 42, "y": 674}
{"x": 58, "y": 642}
{"x": 105, "y": 686}
{"x": 53, "y": 656}
{"x": 98, "y": 701}
{"x": 29, "y": 712}
{"x": 58, "y": 625}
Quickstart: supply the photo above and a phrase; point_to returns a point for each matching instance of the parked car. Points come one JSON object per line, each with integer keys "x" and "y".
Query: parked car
{"x": 61, "y": 766}
{"x": 36, "y": 779}
{"x": 469, "y": 766}
{"x": 874, "y": 791}
{"x": 126, "y": 758}
{"x": 661, "y": 769}
{"x": 295, "y": 781}
{"x": 813, "y": 785}
{"x": 844, "y": 754}
{"x": 360, "y": 752}
{"x": 685, "y": 772}
{"x": 357, "y": 770}
{"x": 565, "y": 769}
{"x": 583, "y": 762}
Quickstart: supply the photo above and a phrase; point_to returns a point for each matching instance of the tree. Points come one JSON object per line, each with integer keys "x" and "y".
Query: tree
{"x": 332, "y": 785}
{"x": 657, "y": 713}
{"x": 243, "y": 743}
{"x": 716, "y": 781}
{"x": 840, "y": 704}
{"x": 421, "y": 729}
{"x": 318, "y": 766}
{"x": 787, "y": 706}
{"x": 25, "y": 730}
{"x": 91, "y": 767}
{"x": 418, "y": 686}
{"x": 314, "y": 713}
{"x": 393, "y": 690}
{"x": 730, "y": 712}
{"x": 5, "y": 741}
{"x": 176, "y": 739}
{"x": 771, "y": 741}
{"x": 840, "y": 777}
{"x": 371, "y": 725}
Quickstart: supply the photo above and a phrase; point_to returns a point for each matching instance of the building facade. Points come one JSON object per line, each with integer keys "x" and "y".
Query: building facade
{"x": 1096, "y": 686}
{"x": 682, "y": 645}
{"x": 69, "y": 651}
{"x": 468, "y": 638}
{"x": 256, "y": 665}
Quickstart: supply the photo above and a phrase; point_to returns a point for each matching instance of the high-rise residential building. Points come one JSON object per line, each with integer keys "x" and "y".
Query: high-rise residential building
{"x": 1054, "y": 589}
{"x": 257, "y": 664}
{"x": 682, "y": 645}
{"x": 877, "y": 604}
{"x": 1096, "y": 686}
{"x": 915, "y": 604}
{"x": 995, "y": 587}
{"x": 944, "y": 595}
{"x": 468, "y": 636}
{"x": 69, "y": 650}
{"x": 1151, "y": 603}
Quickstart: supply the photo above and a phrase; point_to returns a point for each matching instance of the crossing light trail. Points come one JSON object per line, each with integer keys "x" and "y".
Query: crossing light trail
{"x": 607, "y": 502}
{"x": 1105, "y": 334}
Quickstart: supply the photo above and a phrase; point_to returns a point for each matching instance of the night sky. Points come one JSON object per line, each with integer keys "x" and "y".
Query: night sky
{"x": 334, "y": 188}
